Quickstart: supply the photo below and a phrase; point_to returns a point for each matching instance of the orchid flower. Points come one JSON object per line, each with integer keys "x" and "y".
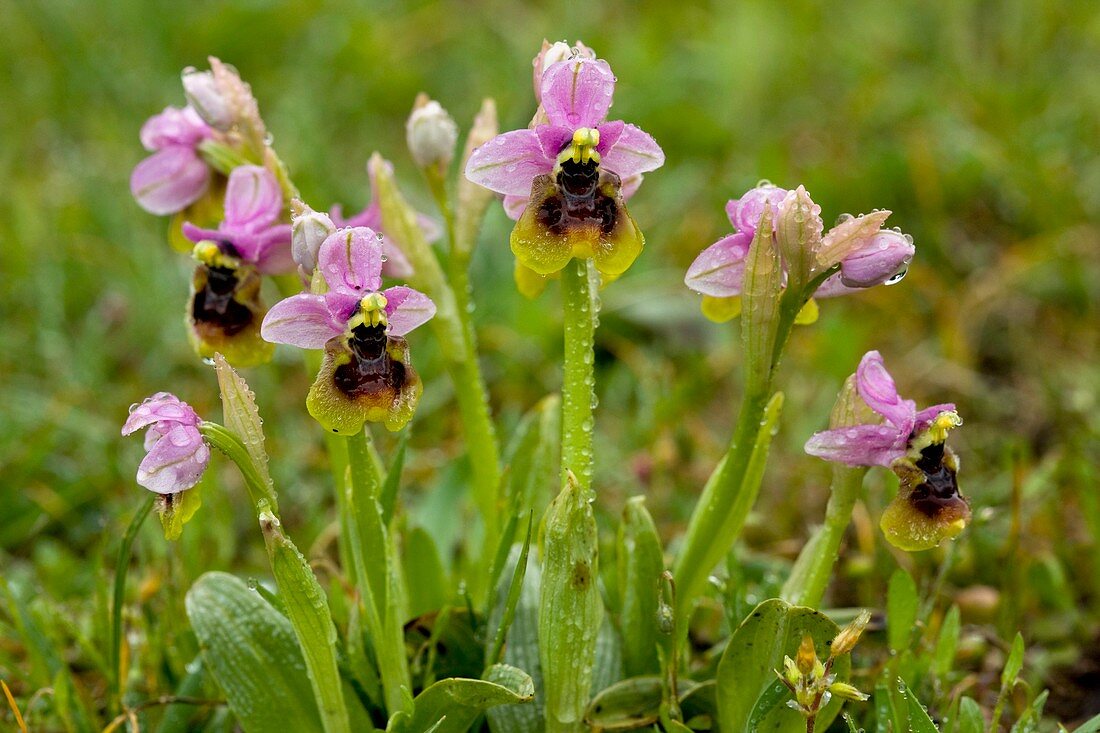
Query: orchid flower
{"x": 570, "y": 168}
{"x": 394, "y": 261}
{"x": 863, "y": 254}
{"x": 176, "y": 455}
{"x": 175, "y": 175}
{"x": 912, "y": 443}
{"x": 366, "y": 374}
{"x": 226, "y": 310}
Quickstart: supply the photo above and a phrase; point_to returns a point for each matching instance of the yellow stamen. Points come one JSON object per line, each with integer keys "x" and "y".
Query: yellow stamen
{"x": 944, "y": 423}
{"x": 583, "y": 147}
{"x": 372, "y": 311}
{"x": 211, "y": 255}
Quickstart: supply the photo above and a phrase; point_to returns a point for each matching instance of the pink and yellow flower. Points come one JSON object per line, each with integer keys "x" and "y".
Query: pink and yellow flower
{"x": 367, "y": 374}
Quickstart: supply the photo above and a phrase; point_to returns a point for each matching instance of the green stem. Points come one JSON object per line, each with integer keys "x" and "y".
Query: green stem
{"x": 121, "y": 569}
{"x": 376, "y": 581}
{"x": 304, "y": 599}
{"x": 814, "y": 566}
{"x": 718, "y": 518}
{"x": 578, "y": 380}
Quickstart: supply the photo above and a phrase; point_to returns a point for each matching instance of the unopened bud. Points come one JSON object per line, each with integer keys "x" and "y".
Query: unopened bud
{"x": 550, "y": 54}
{"x": 201, "y": 90}
{"x": 848, "y": 692}
{"x": 848, "y": 637}
{"x": 308, "y": 229}
{"x": 806, "y": 659}
{"x": 885, "y": 255}
{"x": 431, "y": 134}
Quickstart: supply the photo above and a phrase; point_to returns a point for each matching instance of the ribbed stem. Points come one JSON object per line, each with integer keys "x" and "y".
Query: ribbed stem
{"x": 578, "y": 378}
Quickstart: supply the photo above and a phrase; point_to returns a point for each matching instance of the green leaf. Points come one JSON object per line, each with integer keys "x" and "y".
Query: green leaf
{"x": 626, "y": 705}
{"x": 422, "y": 563}
{"x": 1029, "y": 721}
{"x": 308, "y": 611}
{"x": 452, "y": 705}
{"x": 607, "y": 667}
{"x": 522, "y": 648}
{"x": 251, "y": 650}
{"x": 515, "y": 590}
{"x": 919, "y": 722}
{"x": 901, "y": 610}
{"x": 388, "y": 497}
{"x": 944, "y": 656}
{"x": 1014, "y": 664}
{"x": 242, "y": 417}
{"x": 754, "y": 653}
{"x": 639, "y": 564}
{"x": 570, "y": 607}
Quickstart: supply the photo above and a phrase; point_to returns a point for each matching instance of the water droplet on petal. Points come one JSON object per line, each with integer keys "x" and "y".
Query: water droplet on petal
{"x": 898, "y": 276}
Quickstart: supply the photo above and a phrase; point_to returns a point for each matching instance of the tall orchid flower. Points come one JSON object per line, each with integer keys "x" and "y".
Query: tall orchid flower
{"x": 862, "y": 253}
{"x": 570, "y": 168}
{"x": 928, "y": 507}
{"x": 176, "y": 455}
{"x": 367, "y": 374}
{"x": 175, "y": 175}
{"x": 395, "y": 263}
{"x": 226, "y": 309}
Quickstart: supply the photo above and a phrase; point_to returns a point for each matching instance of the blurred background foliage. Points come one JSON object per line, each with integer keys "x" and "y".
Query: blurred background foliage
{"x": 975, "y": 122}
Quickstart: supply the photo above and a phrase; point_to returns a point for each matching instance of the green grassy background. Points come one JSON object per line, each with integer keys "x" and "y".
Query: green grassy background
{"x": 976, "y": 123}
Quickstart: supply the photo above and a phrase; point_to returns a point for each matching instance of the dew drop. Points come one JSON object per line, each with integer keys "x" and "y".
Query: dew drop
{"x": 843, "y": 218}
{"x": 898, "y": 276}
{"x": 269, "y": 139}
{"x": 208, "y": 361}
{"x": 252, "y": 584}
{"x": 763, "y": 182}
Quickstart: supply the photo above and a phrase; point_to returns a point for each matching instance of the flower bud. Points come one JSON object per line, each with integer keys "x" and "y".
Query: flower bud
{"x": 847, "y": 692}
{"x": 848, "y": 637}
{"x": 203, "y": 94}
{"x": 308, "y": 229}
{"x": 431, "y": 134}
{"x": 881, "y": 258}
{"x": 550, "y": 54}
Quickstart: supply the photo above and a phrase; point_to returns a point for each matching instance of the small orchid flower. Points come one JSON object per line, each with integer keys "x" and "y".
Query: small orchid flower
{"x": 570, "y": 169}
{"x": 395, "y": 263}
{"x": 175, "y": 175}
{"x": 366, "y": 374}
{"x": 858, "y": 249}
{"x": 176, "y": 455}
{"x": 928, "y": 507}
{"x": 226, "y": 310}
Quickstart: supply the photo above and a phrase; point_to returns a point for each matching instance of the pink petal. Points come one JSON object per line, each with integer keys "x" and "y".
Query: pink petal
{"x": 877, "y": 388}
{"x": 877, "y": 260}
{"x": 553, "y": 139}
{"x": 515, "y": 205}
{"x": 351, "y": 261}
{"x": 745, "y": 212}
{"x": 634, "y": 152}
{"x": 304, "y": 320}
{"x": 170, "y": 180}
{"x": 198, "y": 234}
{"x": 720, "y": 268}
{"x": 161, "y": 406}
{"x": 610, "y": 132}
{"x": 509, "y": 162}
{"x": 631, "y": 185}
{"x": 860, "y": 445}
{"x": 833, "y": 287}
{"x": 927, "y": 415}
{"x": 406, "y": 309}
{"x": 272, "y": 252}
{"x": 577, "y": 92}
{"x": 253, "y": 198}
{"x": 176, "y": 462}
{"x": 174, "y": 126}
